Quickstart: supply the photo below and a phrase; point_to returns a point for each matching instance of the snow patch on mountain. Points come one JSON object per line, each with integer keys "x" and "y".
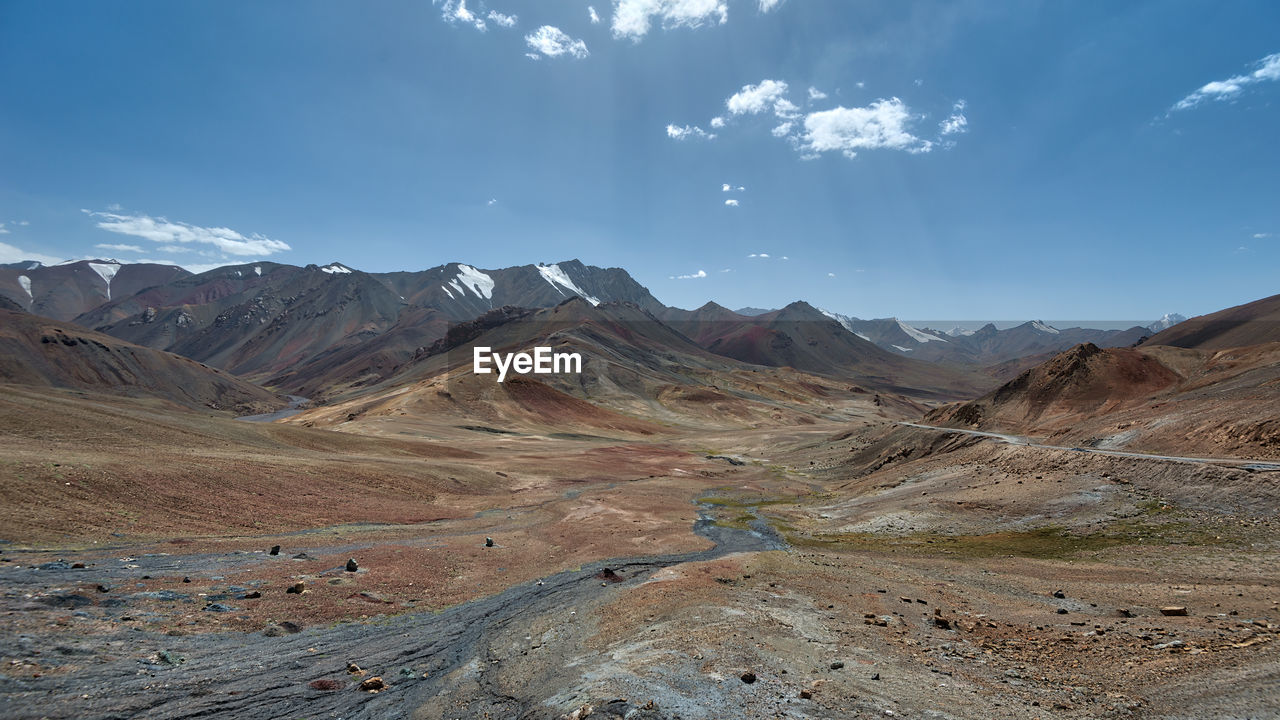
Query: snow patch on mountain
{"x": 106, "y": 271}
{"x": 864, "y": 337}
{"x": 336, "y": 269}
{"x": 902, "y": 349}
{"x": 1166, "y": 322}
{"x": 960, "y": 332}
{"x": 445, "y": 288}
{"x": 474, "y": 280}
{"x": 257, "y": 270}
{"x": 1037, "y": 325}
{"x": 915, "y": 334}
{"x": 844, "y": 320}
{"x": 25, "y": 282}
{"x": 559, "y": 278}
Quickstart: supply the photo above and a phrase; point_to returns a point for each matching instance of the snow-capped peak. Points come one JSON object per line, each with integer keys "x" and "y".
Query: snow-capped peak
{"x": 337, "y": 269}
{"x": 469, "y": 278}
{"x": 915, "y": 334}
{"x": 1039, "y": 325}
{"x": 958, "y": 331}
{"x": 844, "y": 320}
{"x": 559, "y": 278}
{"x": 1166, "y": 322}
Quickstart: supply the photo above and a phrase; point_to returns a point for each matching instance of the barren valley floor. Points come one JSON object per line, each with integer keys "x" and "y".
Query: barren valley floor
{"x": 846, "y": 568}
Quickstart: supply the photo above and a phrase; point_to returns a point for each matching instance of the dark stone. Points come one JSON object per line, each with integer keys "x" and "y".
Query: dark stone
{"x": 275, "y": 550}
{"x": 837, "y": 665}
{"x": 748, "y": 677}
{"x": 1059, "y": 594}
{"x": 1062, "y": 611}
{"x": 352, "y": 565}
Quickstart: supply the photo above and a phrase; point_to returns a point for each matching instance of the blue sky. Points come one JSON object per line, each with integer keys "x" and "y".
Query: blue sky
{"x": 953, "y": 159}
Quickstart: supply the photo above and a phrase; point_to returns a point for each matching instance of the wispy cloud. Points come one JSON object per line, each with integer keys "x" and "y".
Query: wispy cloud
{"x": 957, "y": 122}
{"x": 161, "y": 230}
{"x": 3, "y": 230}
{"x": 120, "y": 248}
{"x": 501, "y": 20}
{"x": 767, "y": 5}
{"x": 633, "y": 18}
{"x": 553, "y": 42}
{"x": 455, "y": 11}
{"x": 882, "y": 124}
{"x": 1267, "y": 69}
{"x": 686, "y": 132}
{"x": 591, "y": 13}
{"x": 691, "y": 276}
{"x": 1260, "y": 236}
{"x": 731, "y": 202}
{"x": 753, "y": 99}
{"x": 11, "y": 254}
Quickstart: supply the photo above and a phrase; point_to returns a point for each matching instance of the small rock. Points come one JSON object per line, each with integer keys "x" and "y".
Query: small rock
{"x": 1173, "y": 610}
{"x": 748, "y": 677}
{"x": 273, "y": 631}
{"x": 1059, "y": 594}
{"x": 354, "y": 669}
{"x": 297, "y": 588}
{"x": 251, "y": 596}
{"x": 373, "y": 684}
{"x": 275, "y": 550}
{"x": 186, "y": 579}
{"x": 488, "y": 542}
{"x": 290, "y": 627}
{"x": 1125, "y": 612}
{"x": 1062, "y": 611}
{"x": 837, "y": 665}
{"x": 352, "y": 566}
{"x": 77, "y": 566}
{"x": 169, "y": 658}
{"x": 104, "y": 588}
{"x": 805, "y": 695}
{"x": 876, "y": 676}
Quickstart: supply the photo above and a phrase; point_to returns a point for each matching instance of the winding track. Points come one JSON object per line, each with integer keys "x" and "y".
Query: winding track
{"x": 1247, "y": 464}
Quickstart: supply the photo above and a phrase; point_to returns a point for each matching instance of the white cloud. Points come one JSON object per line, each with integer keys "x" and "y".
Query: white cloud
{"x": 731, "y": 202}
{"x": 1260, "y": 236}
{"x": 120, "y": 248}
{"x": 533, "y": 56}
{"x": 3, "y": 230}
{"x": 502, "y": 20}
{"x": 455, "y": 11}
{"x": 784, "y": 257}
{"x": 161, "y": 230}
{"x": 686, "y": 132}
{"x": 23, "y": 223}
{"x": 632, "y": 18}
{"x": 882, "y": 124}
{"x": 727, "y": 270}
{"x": 758, "y": 255}
{"x": 782, "y": 130}
{"x": 753, "y": 99}
{"x": 1268, "y": 69}
{"x": 174, "y": 249}
{"x": 591, "y": 13}
{"x": 691, "y": 276}
{"x": 717, "y": 122}
{"x": 831, "y": 275}
{"x": 723, "y": 188}
{"x": 553, "y": 42}
{"x": 816, "y": 94}
{"x": 492, "y": 202}
{"x": 767, "y": 5}
{"x": 11, "y": 254}
{"x": 957, "y": 123}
